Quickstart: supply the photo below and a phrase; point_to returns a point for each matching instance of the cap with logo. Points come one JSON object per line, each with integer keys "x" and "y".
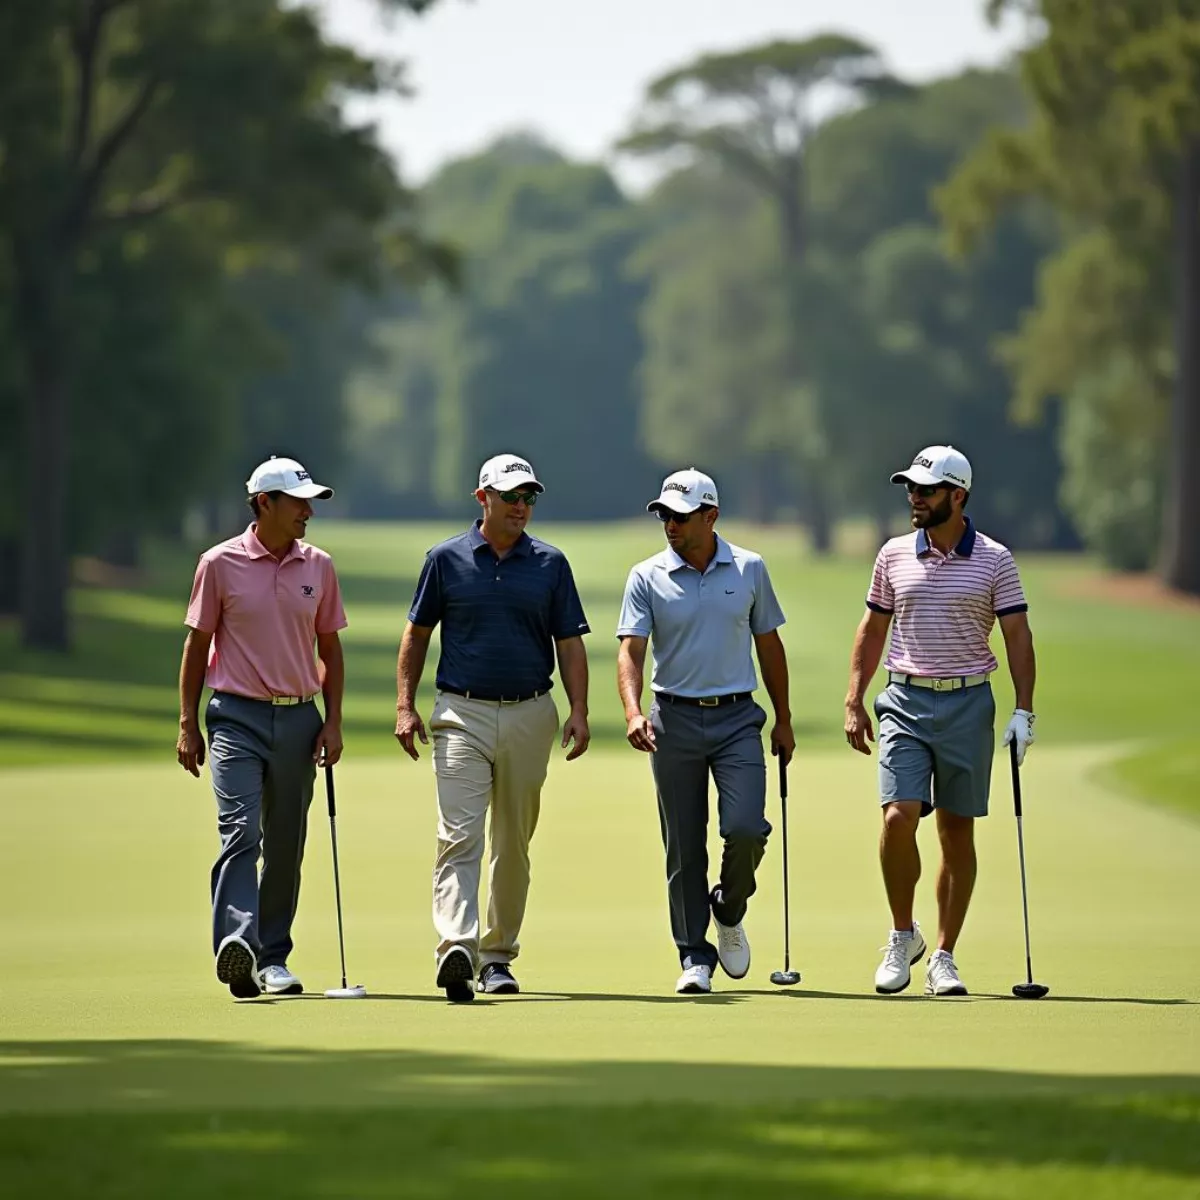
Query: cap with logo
{"x": 937, "y": 464}
{"x": 506, "y": 472}
{"x": 685, "y": 491}
{"x": 286, "y": 475}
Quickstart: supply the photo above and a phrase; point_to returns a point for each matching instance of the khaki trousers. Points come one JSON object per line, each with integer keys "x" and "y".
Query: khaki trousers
{"x": 486, "y": 755}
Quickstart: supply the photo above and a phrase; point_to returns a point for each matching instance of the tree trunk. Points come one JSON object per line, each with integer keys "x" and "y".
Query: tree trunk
{"x": 10, "y": 575}
{"x": 1181, "y": 534}
{"x": 45, "y": 561}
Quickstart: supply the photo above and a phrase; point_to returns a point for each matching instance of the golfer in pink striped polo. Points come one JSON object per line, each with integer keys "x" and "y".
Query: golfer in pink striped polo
{"x": 262, "y": 602}
{"x": 941, "y": 589}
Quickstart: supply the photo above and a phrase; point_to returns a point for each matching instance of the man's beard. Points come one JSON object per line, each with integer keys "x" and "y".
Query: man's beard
{"x": 935, "y": 516}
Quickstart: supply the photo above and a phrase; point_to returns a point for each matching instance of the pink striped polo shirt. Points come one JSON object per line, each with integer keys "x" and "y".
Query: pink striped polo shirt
{"x": 944, "y": 605}
{"x": 264, "y": 615}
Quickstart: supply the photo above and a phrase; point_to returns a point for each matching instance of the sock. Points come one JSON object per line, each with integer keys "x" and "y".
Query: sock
{"x": 907, "y": 934}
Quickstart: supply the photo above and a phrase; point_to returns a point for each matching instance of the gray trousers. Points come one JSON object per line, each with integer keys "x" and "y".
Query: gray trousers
{"x": 692, "y": 742}
{"x": 260, "y": 759}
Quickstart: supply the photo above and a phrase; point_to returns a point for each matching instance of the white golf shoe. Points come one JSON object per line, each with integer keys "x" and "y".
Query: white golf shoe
{"x": 237, "y": 967}
{"x": 279, "y": 981}
{"x": 695, "y": 981}
{"x": 895, "y": 972}
{"x": 733, "y": 947}
{"x": 941, "y": 976}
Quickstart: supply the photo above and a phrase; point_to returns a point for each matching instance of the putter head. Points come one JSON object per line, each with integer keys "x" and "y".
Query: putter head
{"x": 357, "y": 992}
{"x": 785, "y": 978}
{"x": 1030, "y": 991}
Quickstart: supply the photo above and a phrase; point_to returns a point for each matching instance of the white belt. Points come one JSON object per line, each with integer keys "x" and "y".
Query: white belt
{"x": 947, "y": 684}
{"x": 287, "y": 701}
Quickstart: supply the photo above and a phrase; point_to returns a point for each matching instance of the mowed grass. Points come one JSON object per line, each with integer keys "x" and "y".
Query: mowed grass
{"x": 125, "y": 1070}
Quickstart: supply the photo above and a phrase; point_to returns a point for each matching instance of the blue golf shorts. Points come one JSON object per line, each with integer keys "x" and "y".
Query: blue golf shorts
{"x": 937, "y": 747}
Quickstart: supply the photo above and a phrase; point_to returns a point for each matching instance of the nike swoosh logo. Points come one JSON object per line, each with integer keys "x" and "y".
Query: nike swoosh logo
{"x": 728, "y": 592}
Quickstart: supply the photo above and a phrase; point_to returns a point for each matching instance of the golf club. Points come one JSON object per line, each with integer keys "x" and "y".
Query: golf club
{"x": 357, "y": 992}
{"x": 1027, "y": 990}
{"x": 787, "y": 977}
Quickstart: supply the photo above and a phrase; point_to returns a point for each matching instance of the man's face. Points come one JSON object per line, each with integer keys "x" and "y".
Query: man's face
{"x": 284, "y": 515}
{"x": 507, "y": 510}
{"x": 687, "y": 532}
{"x": 932, "y": 505}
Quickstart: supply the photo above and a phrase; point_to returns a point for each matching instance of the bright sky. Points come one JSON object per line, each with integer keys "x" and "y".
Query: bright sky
{"x": 576, "y": 69}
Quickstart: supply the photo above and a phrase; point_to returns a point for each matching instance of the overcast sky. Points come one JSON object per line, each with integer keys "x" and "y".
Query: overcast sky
{"x": 576, "y": 69}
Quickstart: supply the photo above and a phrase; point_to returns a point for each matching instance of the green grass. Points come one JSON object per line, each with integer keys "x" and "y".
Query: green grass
{"x": 126, "y": 1071}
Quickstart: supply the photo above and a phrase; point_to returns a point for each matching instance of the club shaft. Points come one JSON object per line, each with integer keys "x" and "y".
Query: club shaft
{"x": 1024, "y": 900}
{"x": 787, "y": 908}
{"x": 337, "y": 880}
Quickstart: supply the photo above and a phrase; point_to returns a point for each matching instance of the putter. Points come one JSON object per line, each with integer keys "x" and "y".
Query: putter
{"x": 787, "y": 977}
{"x": 357, "y": 992}
{"x": 1027, "y": 990}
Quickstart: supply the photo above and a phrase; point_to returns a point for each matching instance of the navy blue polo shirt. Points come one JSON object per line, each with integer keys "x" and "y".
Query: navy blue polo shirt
{"x": 500, "y": 617}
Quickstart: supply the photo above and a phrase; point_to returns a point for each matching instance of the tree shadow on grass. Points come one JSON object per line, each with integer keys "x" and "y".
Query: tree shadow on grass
{"x": 191, "y": 1119}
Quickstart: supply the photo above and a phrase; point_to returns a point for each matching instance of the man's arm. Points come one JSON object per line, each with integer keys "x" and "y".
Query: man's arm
{"x": 1022, "y": 666}
{"x": 631, "y": 666}
{"x": 772, "y": 661}
{"x": 573, "y": 670}
{"x": 333, "y": 685}
{"x": 189, "y": 747}
{"x": 414, "y": 647}
{"x": 869, "y": 643}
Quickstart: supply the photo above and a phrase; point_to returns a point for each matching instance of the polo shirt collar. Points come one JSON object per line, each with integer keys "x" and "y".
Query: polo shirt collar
{"x": 966, "y": 543}
{"x": 723, "y": 555}
{"x": 255, "y": 549}
{"x": 522, "y": 546}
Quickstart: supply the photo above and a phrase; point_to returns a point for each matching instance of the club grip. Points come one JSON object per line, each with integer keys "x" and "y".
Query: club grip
{"x": 1016, "y": 775}
{"x": 329, "y": 789}
{"x": 782, "y": 776}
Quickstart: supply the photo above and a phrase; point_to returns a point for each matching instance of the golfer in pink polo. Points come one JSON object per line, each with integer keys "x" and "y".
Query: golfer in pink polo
{"x": 260, "y": 603}
{"x": 941, "y": 589}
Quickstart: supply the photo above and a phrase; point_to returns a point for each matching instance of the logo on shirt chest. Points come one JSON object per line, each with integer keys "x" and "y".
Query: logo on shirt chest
{"x": 307, "y": 589}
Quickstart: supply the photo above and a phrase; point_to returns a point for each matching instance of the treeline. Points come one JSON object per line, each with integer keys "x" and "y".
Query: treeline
{"x": 202, "y": 263}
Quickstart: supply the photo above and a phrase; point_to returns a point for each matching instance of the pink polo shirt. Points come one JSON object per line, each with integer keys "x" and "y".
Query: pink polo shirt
{"x": 944, "y": 605}
{"x": 264, "y": 615}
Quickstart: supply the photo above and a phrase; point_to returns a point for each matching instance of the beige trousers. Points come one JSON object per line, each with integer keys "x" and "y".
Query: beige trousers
{"x": 493, "y": 756}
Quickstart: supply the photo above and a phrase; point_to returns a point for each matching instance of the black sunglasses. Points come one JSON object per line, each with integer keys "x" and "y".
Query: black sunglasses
{"x": 925, "y": 490}
{"x": 530, "y": 498}
{"x": 666, "y": 514}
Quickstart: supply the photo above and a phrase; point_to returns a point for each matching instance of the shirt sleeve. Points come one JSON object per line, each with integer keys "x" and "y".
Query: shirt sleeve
{"x": 880, "y": 597}
{"x": 331, "y": 616}
{"x": 567, "y": 619}
{"x": 204, "y": 608}
{"x": 1008, "y": 596}
{"x": 426, "y": 607}
{"x": 637, "y": 615}
{"x": 765, "y": 613}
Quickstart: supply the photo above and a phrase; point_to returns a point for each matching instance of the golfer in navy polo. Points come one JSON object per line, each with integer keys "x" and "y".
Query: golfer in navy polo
{"x": 701, "y": 603}
{"x": 506, "y": 603}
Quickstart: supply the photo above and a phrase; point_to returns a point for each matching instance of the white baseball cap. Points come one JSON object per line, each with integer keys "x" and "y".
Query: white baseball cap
{"x": 286, "y": 475}
{"x": 507, "y": 472}
{"x": 685, "y": 491}
{"x": 937, "y": 464}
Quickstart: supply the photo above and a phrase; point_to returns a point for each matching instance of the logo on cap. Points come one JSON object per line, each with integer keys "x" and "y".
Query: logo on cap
{"x": 677, "y": 487}
{"x": 921, "y": 461}
{"x": 518, "y": 466}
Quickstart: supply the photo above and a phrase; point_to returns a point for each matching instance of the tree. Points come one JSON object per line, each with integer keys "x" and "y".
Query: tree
{"x": 752, "y": 112}
{"x": 1115, "y": 146}
{"x": 117, "y": 113}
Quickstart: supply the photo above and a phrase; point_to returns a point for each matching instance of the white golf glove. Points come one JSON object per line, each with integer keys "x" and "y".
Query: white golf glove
{"x": 1020, "y": 729}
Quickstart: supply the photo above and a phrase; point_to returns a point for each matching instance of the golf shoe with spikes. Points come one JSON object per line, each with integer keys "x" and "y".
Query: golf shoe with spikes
{"x": 895, "y": 972}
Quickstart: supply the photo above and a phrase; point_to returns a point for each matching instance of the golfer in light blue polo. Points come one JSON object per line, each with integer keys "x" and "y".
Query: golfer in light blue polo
{"x": 702, "y": 604}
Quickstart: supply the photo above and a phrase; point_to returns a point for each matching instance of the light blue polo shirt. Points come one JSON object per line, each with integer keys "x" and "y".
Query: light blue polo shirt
{"x": 700, "y": 625}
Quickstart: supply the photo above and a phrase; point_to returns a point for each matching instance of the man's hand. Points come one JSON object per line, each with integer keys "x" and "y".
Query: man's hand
{"x": 409, "y": 727}
{"x": 328, "y": 749}
{"x": 1020, "y": 730}
{"x": 575, "y": 728}
{"x": 189, "y": 748}
{"x": 640, "y": 733}
{"x": 783, "y": 740}
{"x": 859, "y": 730}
